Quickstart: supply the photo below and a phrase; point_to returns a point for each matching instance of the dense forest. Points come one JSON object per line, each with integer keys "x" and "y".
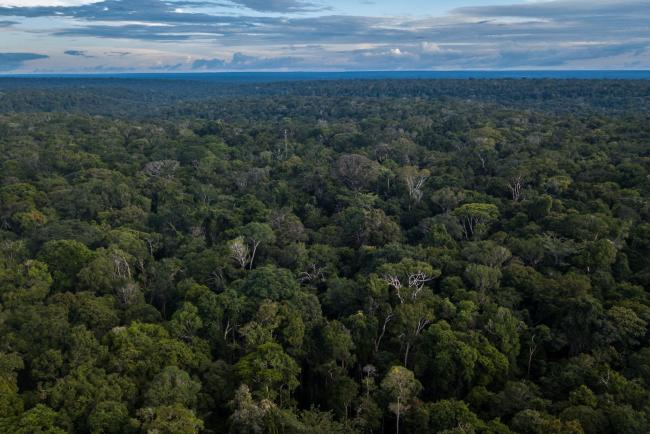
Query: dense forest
{"x": 383, "y": 256}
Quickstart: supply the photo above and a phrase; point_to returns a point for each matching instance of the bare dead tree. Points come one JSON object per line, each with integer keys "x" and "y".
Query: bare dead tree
{"x": 532, "y": 349}
{"x": 516, "y": 186}
{"x": 313, "y": 273}
{"x": 128, "y": 294}
{"x": 121, "y": 267}
{"x": 415, "y": 180}
{"x": 605, "y": 378}
{"x": 417, "y": 281}
{"x": 369, "y": 372}
{"x": 394, "y": 281}
{"x": 239, "y": 252}
{"x": 164, "y": 168}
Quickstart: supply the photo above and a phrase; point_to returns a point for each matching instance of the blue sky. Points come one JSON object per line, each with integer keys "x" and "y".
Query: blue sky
{"x": 65, "y": 36}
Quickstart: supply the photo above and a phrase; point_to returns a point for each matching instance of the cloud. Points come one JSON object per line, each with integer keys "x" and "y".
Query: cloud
{"x": 430, "y": 47}
{"x": 241, "y": 61}
{"x": 554, "y": 56}
{"x": 46, "y": 3}
{"x": 539, "y": 34}
{"x": 561, "y": 9}
{"x": 167, "y": 67}
{"x": 12, "y": 61}
{"x": 77, "y": 53}
{"x": 7, "y": 23}
{"x": 279, "y": 5}
{"x": 130, "y": 31}
{"x": 159, "y": 11}
{"x": 209, "y": 64}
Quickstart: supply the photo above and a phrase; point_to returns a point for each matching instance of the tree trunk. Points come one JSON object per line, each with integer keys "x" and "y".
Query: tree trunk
{"x": 398, "y": 411}
{"x": 406, "y": 354}
{"x": 255, "y": 244}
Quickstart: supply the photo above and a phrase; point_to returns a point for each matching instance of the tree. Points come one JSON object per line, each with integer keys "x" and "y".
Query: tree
{"x": 401, "y": 385}
{"x": 537, "y": 337}
{"x": 270, "y": 282}
{"x": 78, "y": 393}
{"x": 269, "y": 371}
{"x": 170, "y": 419}
{"x": 557, "y": 247}
{"x": 482, "y": 277}
{"x": 357, "y": 171}
{"x": 408, "y": 278}
{"x": 599, "y": 255}
{"x": 448, "y": 198}
{"x": 484, "y": 142}
{"x": 186, "y": 321}
{"x": 239, "y": 252}
{"x": 254, "y": 234}
{"x": 475, "y": 218}
{"x": 65, "y": 258}
{"x": 248, "y": 416}
{"x": 446, "y": 415}
{"x": 486, "y": 253}
{"x": 29, "y": 281}
{"x": 367, "y": 225}
{"x": 111, "y": 417}
{"x": 537, "y": 422}
{"x": 287, "y": 226}
{"x": 109, "y": 270}
{"x": 37, "y": 420}
{"x": 452, "y": 362}
{"x": 516, "y": 186}
{"x": 172, "y": 386}
{"x": 10, "y": 402}
{"x": 540, "y": 207}
{"x": 627, "y": 327}
{"x": 141, "y": 351}
{"x": 414, "y": 179}
{"x": 411, "y": 321}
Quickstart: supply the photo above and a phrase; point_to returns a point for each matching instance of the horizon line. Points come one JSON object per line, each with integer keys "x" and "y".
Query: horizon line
{"x": 353, "y": 71}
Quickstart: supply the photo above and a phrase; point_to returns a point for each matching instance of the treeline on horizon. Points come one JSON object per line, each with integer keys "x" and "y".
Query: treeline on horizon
{"x": 160, "y": 98}
{"x": 398, "y": 256}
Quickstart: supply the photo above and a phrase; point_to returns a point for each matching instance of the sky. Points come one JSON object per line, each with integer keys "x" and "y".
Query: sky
{"x": 112, "y": 36}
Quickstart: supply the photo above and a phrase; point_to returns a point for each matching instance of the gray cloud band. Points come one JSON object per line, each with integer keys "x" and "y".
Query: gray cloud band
{"x": 11, "y": 61}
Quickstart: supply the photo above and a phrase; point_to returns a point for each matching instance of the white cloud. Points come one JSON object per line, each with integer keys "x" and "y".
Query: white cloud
{"x": 40, "y": 3}
{"x": 431, "y": 47}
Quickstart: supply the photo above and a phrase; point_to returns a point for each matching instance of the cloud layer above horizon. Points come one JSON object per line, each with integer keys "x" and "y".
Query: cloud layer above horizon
{"x": 219, "y": 35}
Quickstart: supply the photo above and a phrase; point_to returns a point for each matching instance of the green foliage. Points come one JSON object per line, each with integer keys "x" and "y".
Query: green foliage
{"x": 326, "y": 257}
{"x": 111, "y": 417}
{"x": 449, "y": 414}
{"x": 10, "y": 402}
{"x": 270, "y": 283}
{"x": 38, "y": 420}
{"x": 269, "y": 371}
{"x": 402, "y": 387}
{"x": 172, "y": 386}
{"x": 65, "y": 258}
{"x": 476, "y": 217}
{"x": 171, "y": 419}
{"x": 482, "y": 277}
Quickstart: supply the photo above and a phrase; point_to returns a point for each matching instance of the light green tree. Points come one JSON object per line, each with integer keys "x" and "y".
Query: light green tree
{"x": 402, "y": 386}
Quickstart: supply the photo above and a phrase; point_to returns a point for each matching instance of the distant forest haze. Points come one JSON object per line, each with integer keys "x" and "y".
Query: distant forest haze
{"x": 324, "y": 256}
